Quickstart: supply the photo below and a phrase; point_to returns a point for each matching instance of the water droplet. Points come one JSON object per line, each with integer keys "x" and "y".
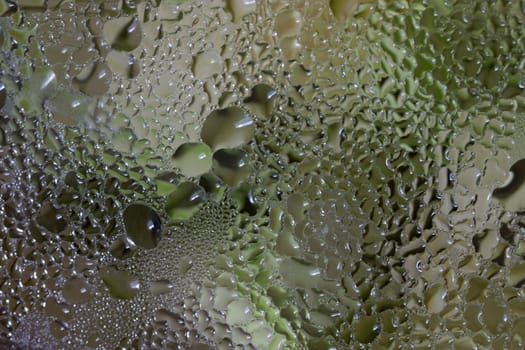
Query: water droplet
{"x": 435, "y": 298}
{"x": 193, "y": 159}
{"x": 245, "y": 198}
{"x": 121, "y": 284}
{"x": 239, "y": 312}
{"x": 124, "y": 33}
{"x": 51, "y": 218}
{"x": 76, "y": 291}
{"x": 207, "y": 63}
{"x": 143, "y": 225}
{"x": 122, "y": 248}
{"x": 298, "y": 274}
{"x": 241, "y": 8}
{"x": 343, "y": 9}
{"x": 42, "y": 83}
{"x": 94, "y": 80}
{"x": 185, "y": 264}
{"x": 68, "y": 107}
{"x": 227, "y": 128}
{"x": 185, "y": 201}
{"x": 161, "y": 287}
{"x": 3, "y": 95}
{"x": 7, "y": 7}
{"x": 288, "y": 23}
{"x": 261, "y": 101}
{"x": 512, "y": 194}
{"x": 212, "y": 184}
{"x": 232, "y": 165}
{"x": 123, "y": 63}
{"x": 366, "y": 329}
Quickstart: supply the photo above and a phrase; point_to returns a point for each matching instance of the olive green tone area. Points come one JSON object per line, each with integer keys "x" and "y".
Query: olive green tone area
{"x": 248, "y": 174}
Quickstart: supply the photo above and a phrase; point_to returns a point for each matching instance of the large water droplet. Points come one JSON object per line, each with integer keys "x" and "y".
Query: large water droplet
{"x": 512, "y": 194}
{"x": 185, "y": 201}
{"x": 343, "y": 9}
{"x": 227, "y": 128}
{"x": 207, "y": 64}
{"x": 124, "y": 34}
{"x": 231, "y": 165}
{"x": 193, "y": 159}
{"x": 76, "y": 291}
{"x": 143, "y": 225}
{"x": 240, "y": 8}
{"x": 94, "y": 80}
{"x": 121, "y": 284}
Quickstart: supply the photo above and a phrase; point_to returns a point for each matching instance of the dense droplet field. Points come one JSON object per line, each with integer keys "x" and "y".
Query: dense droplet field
{"x": 277, "y": 174}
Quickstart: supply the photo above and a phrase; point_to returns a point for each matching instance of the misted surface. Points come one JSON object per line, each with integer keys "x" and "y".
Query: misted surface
{"x": 241, "y": 174}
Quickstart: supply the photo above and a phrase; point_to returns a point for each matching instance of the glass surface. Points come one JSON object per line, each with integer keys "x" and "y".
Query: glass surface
{"x": 277, "y": 174}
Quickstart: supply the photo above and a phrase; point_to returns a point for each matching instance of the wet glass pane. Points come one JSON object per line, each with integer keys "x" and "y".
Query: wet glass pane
{"x": 273, "y": 174}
